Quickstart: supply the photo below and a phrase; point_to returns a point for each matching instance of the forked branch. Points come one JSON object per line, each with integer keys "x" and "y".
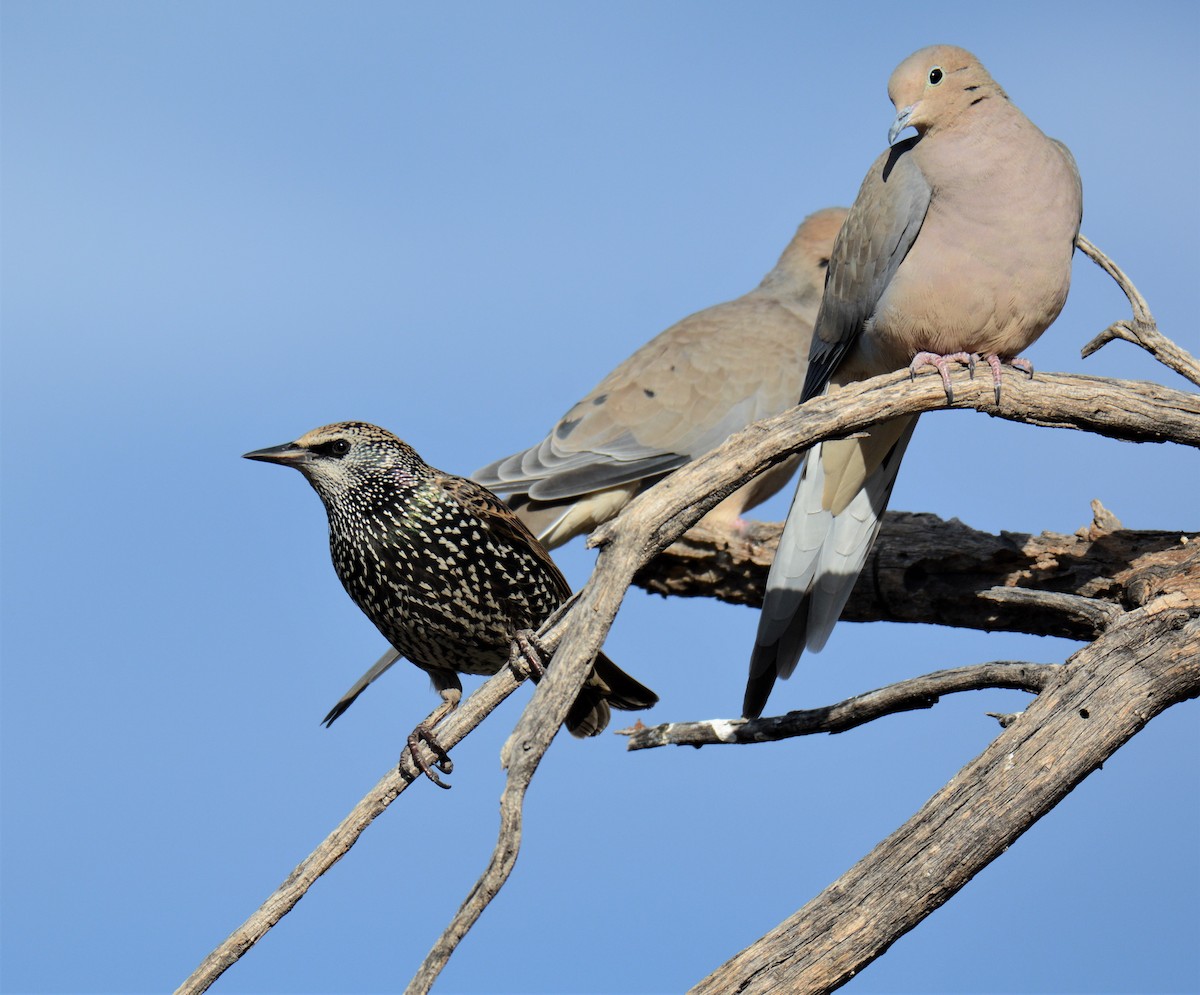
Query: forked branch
{"x": 1142, "y": 330}
{"x": 452, "y": 730}
{"x": 1122, "y": 409}
{"x": 1103, "y": 695}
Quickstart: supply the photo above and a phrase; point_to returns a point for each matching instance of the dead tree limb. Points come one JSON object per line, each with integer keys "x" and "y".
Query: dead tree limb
{"x": 1121, "y": 409}
{"x": 1147, "y": 661}
{"x": 453, "y": 729}
{"x": 1142, "y": 330}
{"x": 1140, "y": 412}
{"x": 927, "y": 569}
{"x": 903, "y": 696}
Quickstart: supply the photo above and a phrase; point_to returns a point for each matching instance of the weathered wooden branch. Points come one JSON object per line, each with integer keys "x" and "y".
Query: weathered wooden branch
{"x": 451, "y": 730}
{"x": 927, "y": 569}
{"x": 903, "y": 696}
{"x": 1121, "y": 409}
{"x": 1147, "y": 661}
{"x": 1142, "y": 330}
{"x": 1136, "y": 411}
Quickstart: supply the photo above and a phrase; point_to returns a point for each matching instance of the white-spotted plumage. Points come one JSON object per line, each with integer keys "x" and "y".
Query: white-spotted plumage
{"x": 442, "y": 566}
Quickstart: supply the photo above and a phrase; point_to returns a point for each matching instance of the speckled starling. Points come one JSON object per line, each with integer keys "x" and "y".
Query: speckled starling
{"x": 442, "y": 566}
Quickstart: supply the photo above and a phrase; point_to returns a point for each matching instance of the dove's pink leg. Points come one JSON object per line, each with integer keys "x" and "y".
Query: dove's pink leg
{"x": 941, "y": 364}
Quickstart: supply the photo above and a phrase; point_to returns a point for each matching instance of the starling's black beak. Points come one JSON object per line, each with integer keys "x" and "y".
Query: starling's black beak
{"x": 289, "y": 454}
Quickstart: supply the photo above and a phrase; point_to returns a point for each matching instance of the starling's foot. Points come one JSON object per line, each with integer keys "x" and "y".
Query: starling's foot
{"x": 529, "y": 658}
{"x": 941, "y": 364}
{"x": 424, "y": 734}
{"x": 995, "y": 362}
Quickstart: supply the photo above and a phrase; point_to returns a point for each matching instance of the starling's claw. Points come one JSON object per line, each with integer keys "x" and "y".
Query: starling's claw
{"x": 423, "y": 734}
{"x": 529, "y": 660}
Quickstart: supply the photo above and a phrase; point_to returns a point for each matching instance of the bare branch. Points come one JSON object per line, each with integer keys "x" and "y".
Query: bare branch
{"x": 903, "y": 696}
{"x": 504, "y": 857}
{"x": 1093, "y": 614}
{"x": 1135, "y": 411}
{"x": 1143, "y": 329}
{"x": 1121, "y": 409}
{"x": 451, "y": 730}
{"x": 1102, "y": 696}
{"x": 1145, "y": 412}
{"x": 926, "y": 569}
{"x": 1142, "y": 412}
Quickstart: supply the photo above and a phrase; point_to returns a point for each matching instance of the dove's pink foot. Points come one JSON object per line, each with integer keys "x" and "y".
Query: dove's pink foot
{"x": 941, "y": 364}
{"x": 968, "y": 359}
{"x": 995, "y": 362}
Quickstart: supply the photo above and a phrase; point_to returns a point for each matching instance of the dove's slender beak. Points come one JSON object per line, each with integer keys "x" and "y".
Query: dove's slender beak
{"x": 903, "y": 116}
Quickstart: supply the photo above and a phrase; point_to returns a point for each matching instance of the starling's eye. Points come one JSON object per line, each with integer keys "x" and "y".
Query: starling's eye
{"x": 935, "y": 75}
{"x": 336, "y": 447}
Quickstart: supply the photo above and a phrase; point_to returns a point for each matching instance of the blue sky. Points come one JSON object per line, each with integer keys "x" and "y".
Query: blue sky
{"x": 227, "y": 223}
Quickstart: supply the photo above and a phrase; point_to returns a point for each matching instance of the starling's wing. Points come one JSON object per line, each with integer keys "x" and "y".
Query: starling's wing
{"x": 503, "y": 521}
{"x": 606, "y": 684}
{"x": 380, "y": 665}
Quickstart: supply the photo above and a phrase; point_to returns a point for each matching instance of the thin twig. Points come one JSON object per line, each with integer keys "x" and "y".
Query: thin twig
{"x": 1143, "y": 329}
{"x": 903, "y": 696}
{"x": 451, "y": 730}
{"x": 500, "y": 865}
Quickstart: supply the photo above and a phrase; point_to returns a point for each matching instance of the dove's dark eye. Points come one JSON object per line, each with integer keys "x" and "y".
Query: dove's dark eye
{"x": 935, "y": 75}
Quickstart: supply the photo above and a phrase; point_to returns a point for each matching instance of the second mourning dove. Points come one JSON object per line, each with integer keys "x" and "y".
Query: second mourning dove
{"x": 677, "y": 397}
{"x": 958, "y": 246}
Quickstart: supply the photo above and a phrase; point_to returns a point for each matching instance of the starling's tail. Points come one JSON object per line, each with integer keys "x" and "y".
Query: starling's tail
{"x": 607, "y": 686}
{"x": 380, "y": 665}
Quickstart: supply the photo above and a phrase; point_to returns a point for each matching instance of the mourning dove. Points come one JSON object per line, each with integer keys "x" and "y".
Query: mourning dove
{"x": 680, "y": 395}
{"x": 958, "y": 246}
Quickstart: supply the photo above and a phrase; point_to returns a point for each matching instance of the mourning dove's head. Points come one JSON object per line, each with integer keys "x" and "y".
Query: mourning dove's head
{"x": 816, "y": 234}
{"x": 805, "y": 260}
{"x": 933, "y": 87}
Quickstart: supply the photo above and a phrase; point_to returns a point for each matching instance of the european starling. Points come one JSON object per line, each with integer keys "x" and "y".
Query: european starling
{"x": 441, "y": 565}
